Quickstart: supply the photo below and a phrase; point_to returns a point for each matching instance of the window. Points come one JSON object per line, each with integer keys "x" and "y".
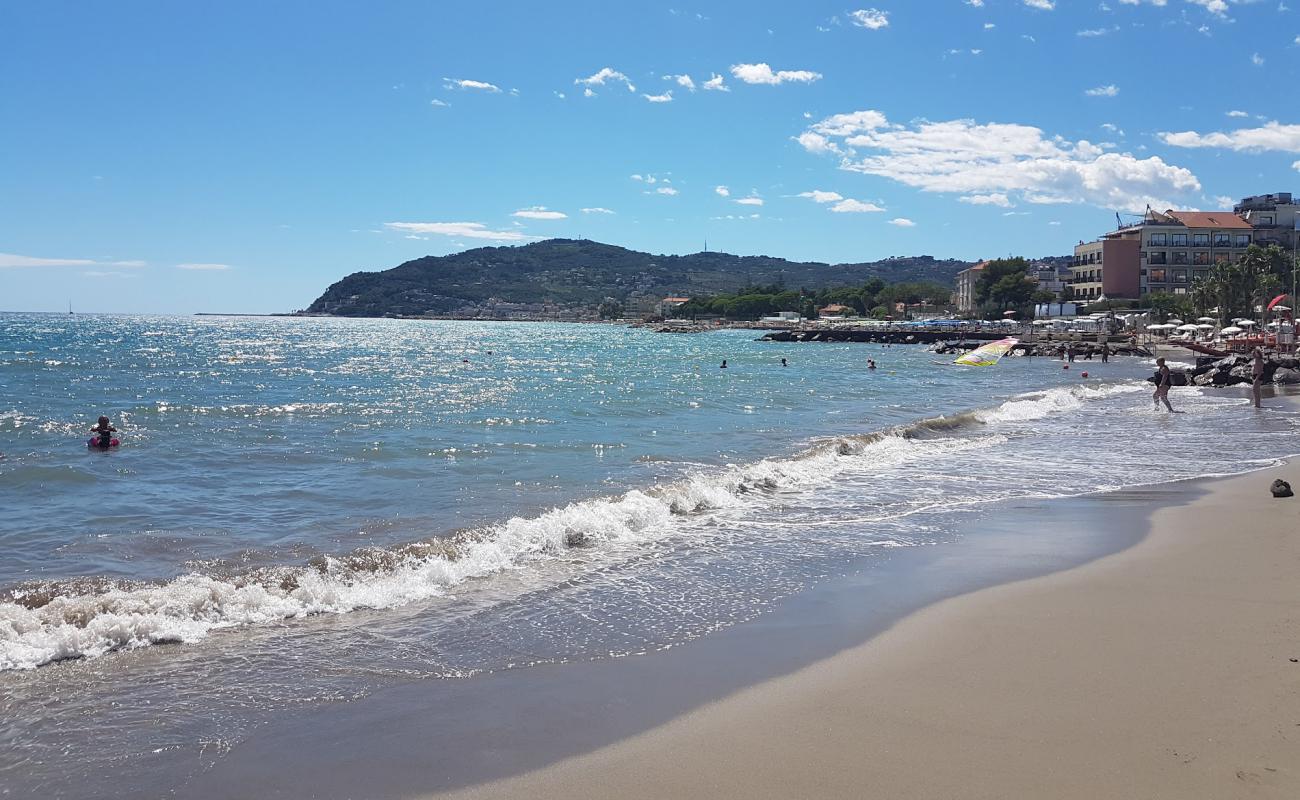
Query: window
{"x": 1265, "y": 220}
{"x": 1201, "y": 257}
{"x": 1180, "y": 276}
{"x": 1180, "y": 290}
{"x": 1241, "y": 240}
{"x": 1200, "y": 240}
{"x": 1178, "y": 240}
{"x": 1222, "y": 240}
{"x": 1199, "y": 274}
{"x": 1156, "y": 276}
{"x": 1156, "y": 240}
{"x": 1222, "y": 258}
{"x": 1142, "y": 255}
{"x": 1180, "y": 257}
{"x": 1157, "y": 258}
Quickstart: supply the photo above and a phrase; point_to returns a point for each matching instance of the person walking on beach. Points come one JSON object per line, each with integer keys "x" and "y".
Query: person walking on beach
{"x": 1163, "y": 382}
{"x": 1256, "y": 375}
{"x": 1105, "y": 352}
{"x": 1069, "y": 352}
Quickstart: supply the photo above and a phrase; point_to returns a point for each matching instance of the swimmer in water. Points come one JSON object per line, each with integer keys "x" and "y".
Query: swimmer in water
{"x": 105, "y": 430}
{"x": 871, "y": 363}
{"x": 724, "y": 364}
{"x": 783, "y": 363}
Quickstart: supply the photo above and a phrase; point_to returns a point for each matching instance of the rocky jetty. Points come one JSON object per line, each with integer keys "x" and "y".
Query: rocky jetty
{"x": 1085, "y": 351}
{"x": 1234, "y": 370}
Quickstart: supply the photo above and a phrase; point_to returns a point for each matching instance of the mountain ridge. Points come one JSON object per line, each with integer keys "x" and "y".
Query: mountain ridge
{"x": 578, "y": 273}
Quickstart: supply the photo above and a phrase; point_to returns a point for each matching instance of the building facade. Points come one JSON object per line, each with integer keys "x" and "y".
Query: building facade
{"x": 1273, "y": 218}
{"x": 964, "y": 297}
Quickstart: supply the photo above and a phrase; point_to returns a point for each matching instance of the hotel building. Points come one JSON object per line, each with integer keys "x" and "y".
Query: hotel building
{"x": 964, "y": 297}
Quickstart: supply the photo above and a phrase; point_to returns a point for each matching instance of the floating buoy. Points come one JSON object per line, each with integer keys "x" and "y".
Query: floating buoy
{"x": 1084, "y": 375}
{"x": 1065, "y": 366}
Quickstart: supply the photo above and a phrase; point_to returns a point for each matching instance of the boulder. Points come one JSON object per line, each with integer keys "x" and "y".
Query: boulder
{"x": 1281, "y": 488}
{"x": 1286, "y": 375}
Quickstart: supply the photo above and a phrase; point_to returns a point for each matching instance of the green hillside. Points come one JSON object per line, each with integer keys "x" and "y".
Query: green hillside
{"x": 571, "y": 273}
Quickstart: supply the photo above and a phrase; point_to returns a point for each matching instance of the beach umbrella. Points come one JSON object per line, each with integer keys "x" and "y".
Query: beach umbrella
{"x": 1206, "y": 319}
{"x": 1231, "y": 329}
{"x": 1204, "y": 326}
{"x": 1188, "y": 327}
{"x": 1246, "y": 322}
{"x": 1175, "y": 322}
{"x": 1281, "y": 308}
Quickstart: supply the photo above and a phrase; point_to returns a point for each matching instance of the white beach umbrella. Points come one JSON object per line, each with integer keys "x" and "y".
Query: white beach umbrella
{"x": 1206, "y": 319}
{"x": 1246, "y": 322}
{"x": 1205, "y": 326}
{"x": 1175, "y": 322}
{"x": 1281, "y": 308}
{"x": 1231, "y": 329}
{"x": 1187, "y": 327}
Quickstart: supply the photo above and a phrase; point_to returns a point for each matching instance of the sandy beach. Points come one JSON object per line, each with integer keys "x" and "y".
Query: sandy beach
{"x": 1167, "y": 670}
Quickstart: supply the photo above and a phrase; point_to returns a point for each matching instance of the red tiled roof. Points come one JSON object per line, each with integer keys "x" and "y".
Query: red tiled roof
{"x": 1210, "y": 219}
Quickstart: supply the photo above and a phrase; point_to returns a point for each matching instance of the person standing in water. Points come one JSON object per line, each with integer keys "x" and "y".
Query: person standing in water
{"x": 724, "y": 364}
{"x": 1256, "y": 375}
{"x": 104, "y": 430}
{"x": 1163, "y": 382}
{"x": 783, "y": 363}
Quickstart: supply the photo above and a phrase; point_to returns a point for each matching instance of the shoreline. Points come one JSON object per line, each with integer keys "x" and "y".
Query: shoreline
{"x": 498, "y": 729}
{"x": 1164, "y": 670}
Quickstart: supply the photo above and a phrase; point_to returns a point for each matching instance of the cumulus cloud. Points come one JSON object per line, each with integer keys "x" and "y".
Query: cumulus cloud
{"x": 1257, "y": 59}
{"x": 722, "y": 191}
{"x": 465, "y": 83}
{"x": 750, "y": 201}
{"x": 904, "y": 222}
{"x": 668, "y": 190}
{"x": 467, "y": 230}
{"x": 1109, "y": 90}
{"x": 1295, "y": 165}
{"x": 850, "y": 206}
{"x": 993, "y": 199}
{"x": 605, "y": 76}
{"x": 203, "y": 267}
{"x": 870, "y": 18}
{"x": 968, "y": 158}
{"x": 1218, "y": 8}
{"x": 666, "y": 97}
{"x": 1043, "y": 5}
{"x": 539, "y": 212}
{"x": 715, "y": 84}
{"x": 762, "y": 74}
{"x": 818, "y": 196}
{"x": 683, "y": 81}
{"x": 1271, "y": 136}
{"x": 596, "y": 210}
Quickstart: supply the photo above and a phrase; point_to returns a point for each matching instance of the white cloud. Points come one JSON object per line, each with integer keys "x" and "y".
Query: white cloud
{"x": 816, "y": 143}
{"x": 597, "y": 210}
{"x": 818, "y": 196}
{"x": 465, "y": 83}
{"x": 975, "y": 3}
{"x": 1109, "y": 90}
{"x": 1272, "y": 136}
{"x": 993, "y": 199}
{"x": 904, "y": 222}
{"x": 651, "y": 179}
{"x": 988, "y": 26}
{"x": 1219, "y": 8}
{"x": 467, "y": 230}
{"x": 722, "y": 191}
{"x": 1257, "y": 59}
{"x": 870, "y": 18}
{"x": 1112, "y": 127}
{"x": 1237, "y": 114}
{"x": 750, "y": 201}
{"x": 539, "y": 212}
{"x": 763, "y": 74}
{"x": 436, "y": 103}
{"x": 604, "y": 76}
{"x": 968, "y": 158}
{"x": 715, "y": 84}
{"x": 12, "y": 260}
{"x": 1043, "y": 5}
{"x": 668, "y": 190}
{"x": 666, "y": 97}
{"x": 850, "y": 206}
{"x": 1295, "y": 166}
{"x": 1093, "y": 32}
{"x": 683, "y": 81}
{"x": 15, "y": 261}
{"x": 198, "y": 267}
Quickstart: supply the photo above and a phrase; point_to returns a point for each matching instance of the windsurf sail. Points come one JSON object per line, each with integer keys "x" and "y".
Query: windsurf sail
{"x": 989, "y": 354}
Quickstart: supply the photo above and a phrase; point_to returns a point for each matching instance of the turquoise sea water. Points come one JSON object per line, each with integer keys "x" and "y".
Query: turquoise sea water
{"x": 302, "y": 510}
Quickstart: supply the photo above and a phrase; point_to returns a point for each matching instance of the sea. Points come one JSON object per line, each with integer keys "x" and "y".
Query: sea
{"x": 303, "y": 511}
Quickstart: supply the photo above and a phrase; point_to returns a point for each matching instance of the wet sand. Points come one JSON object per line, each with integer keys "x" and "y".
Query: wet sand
{"x": 1162, "y": 671}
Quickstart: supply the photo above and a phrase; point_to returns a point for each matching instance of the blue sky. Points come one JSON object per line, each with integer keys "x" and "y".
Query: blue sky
{"x": 164, "y": 157}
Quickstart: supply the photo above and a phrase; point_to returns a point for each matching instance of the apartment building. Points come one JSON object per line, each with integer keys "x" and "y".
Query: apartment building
{"x": 964, "y": 297}
{"x": 1273, "y": 216}
{"x": 1164, "y": 252}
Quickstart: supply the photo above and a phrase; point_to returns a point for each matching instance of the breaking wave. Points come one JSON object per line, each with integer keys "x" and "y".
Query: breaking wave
{"x": 41, "y": 623}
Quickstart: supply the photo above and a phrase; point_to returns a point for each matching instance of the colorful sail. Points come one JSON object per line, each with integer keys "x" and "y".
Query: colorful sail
{"x": 989, "y": 354}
